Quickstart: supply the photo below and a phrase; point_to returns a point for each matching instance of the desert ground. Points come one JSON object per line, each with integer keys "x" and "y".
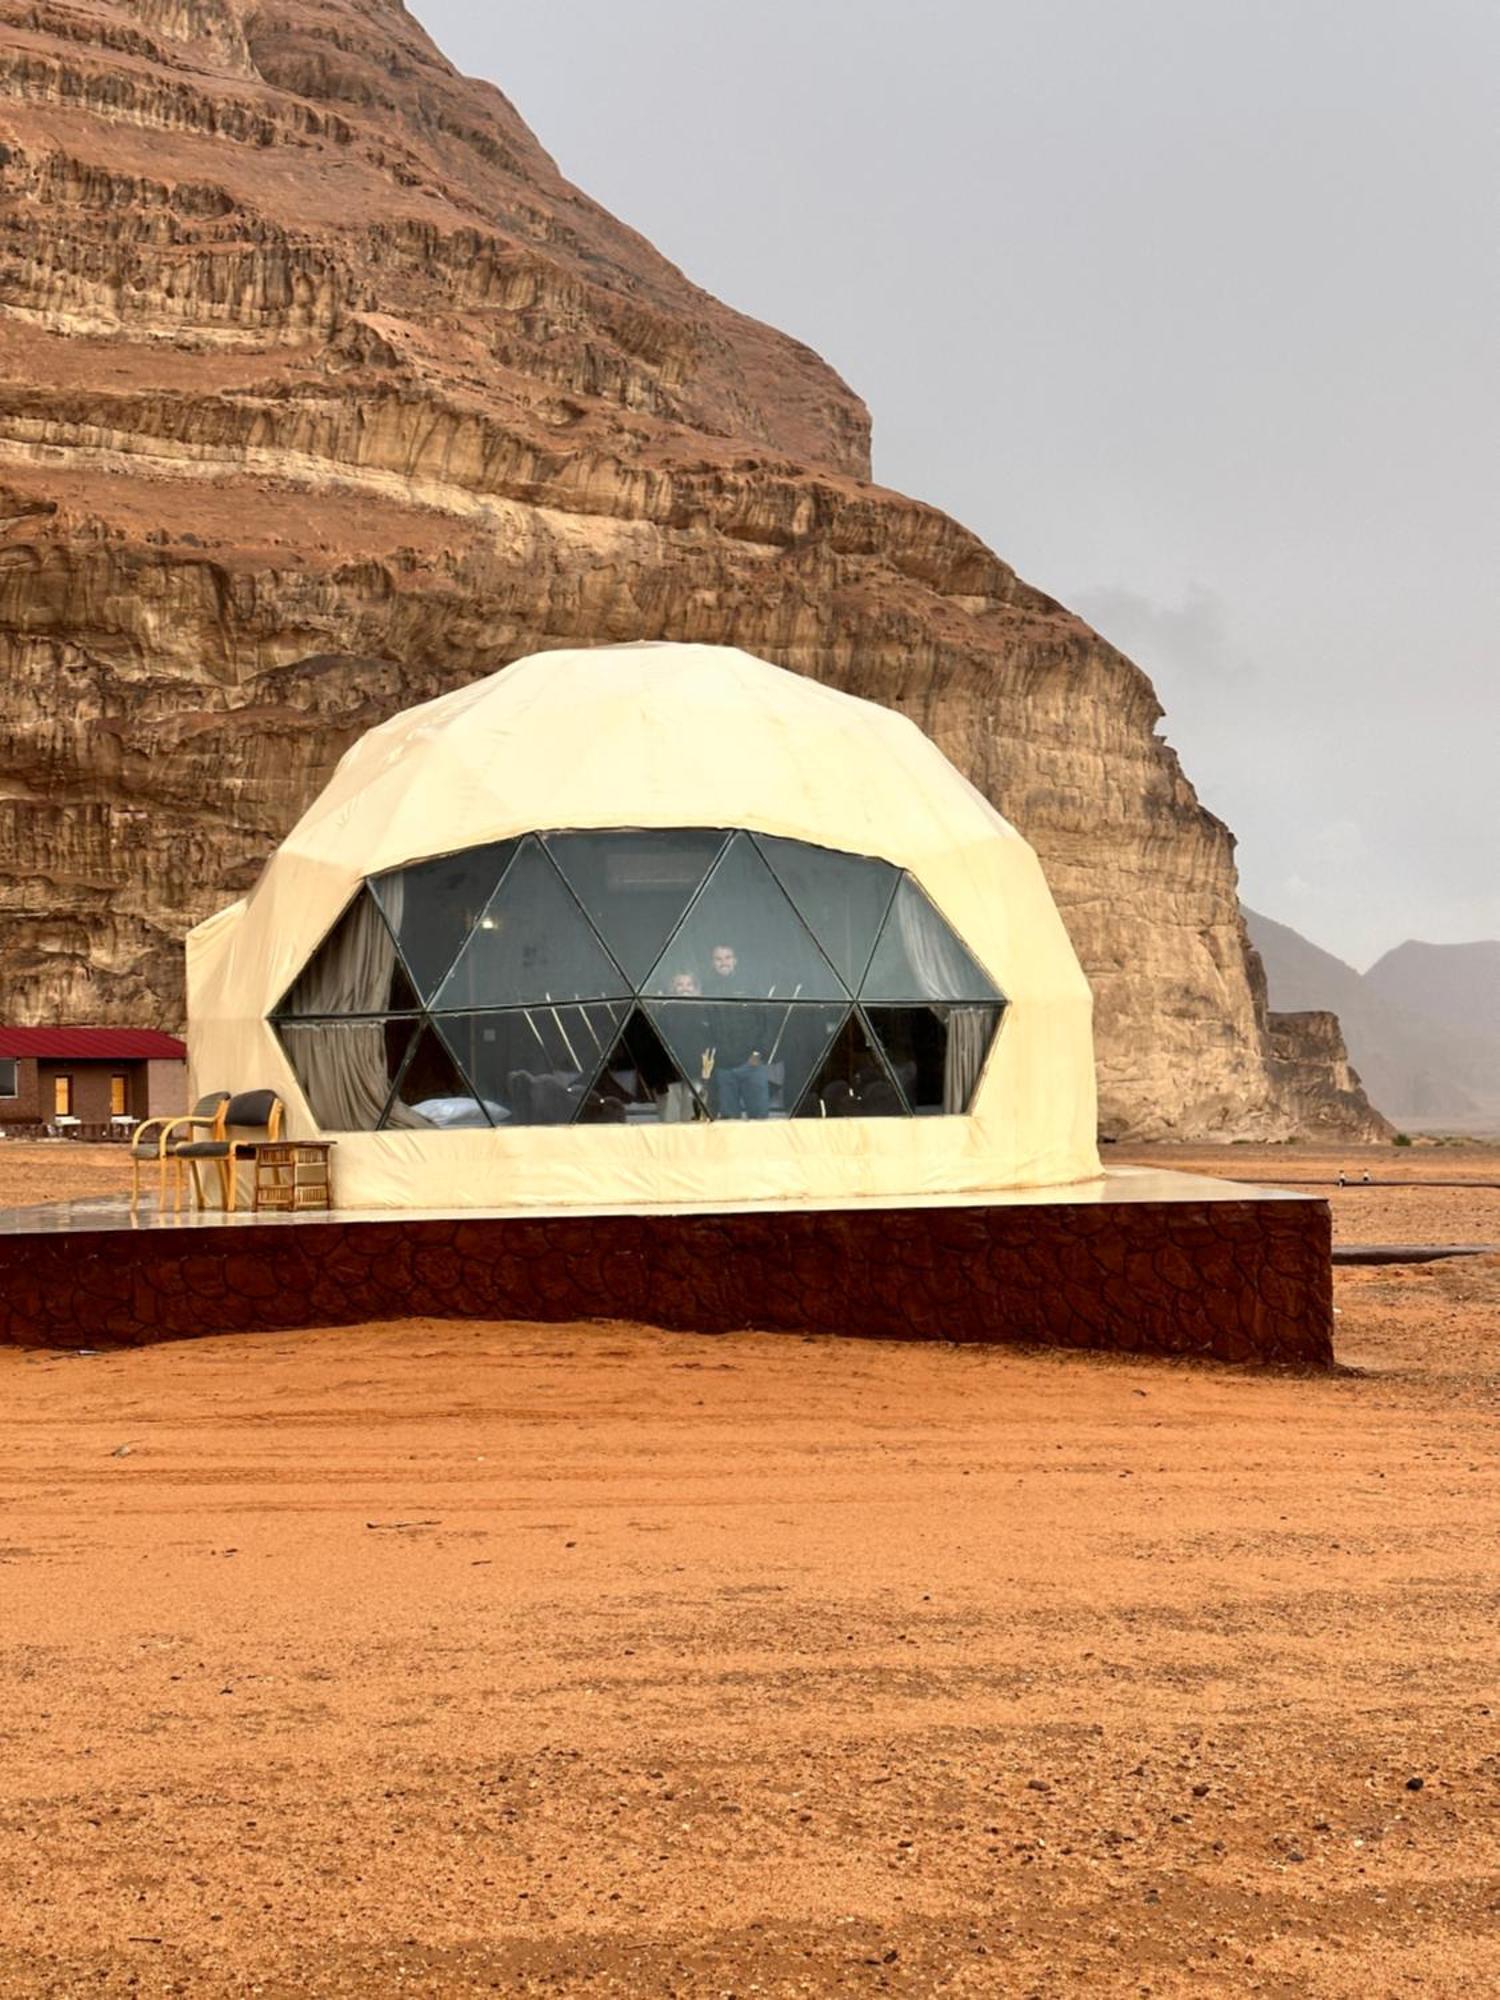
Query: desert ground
{"x": 443, "y": 1659}
{"x": 1417, "y": 1194}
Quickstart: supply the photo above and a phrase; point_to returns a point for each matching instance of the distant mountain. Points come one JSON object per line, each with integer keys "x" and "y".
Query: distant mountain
{"x": 1457, "y": 984}
{"x": 1302, "y": 976}
{"x": 1422, "y": 1026}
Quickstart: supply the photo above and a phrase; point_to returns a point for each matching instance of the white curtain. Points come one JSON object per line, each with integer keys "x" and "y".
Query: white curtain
{"x": 342, "y": 1064}
{"x": 352, "y": 969}
{"x": 940, "y": 962}
{"x": 342, "y": 1067}
{"x": 944, "y": 968}
{"x": 969, "y": 1031}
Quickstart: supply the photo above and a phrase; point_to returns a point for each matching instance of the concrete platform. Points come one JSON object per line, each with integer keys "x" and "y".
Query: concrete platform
{"x": 1139, "y": 1261}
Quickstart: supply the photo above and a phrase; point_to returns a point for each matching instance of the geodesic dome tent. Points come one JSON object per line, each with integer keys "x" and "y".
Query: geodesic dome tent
{"x": 653, "y": 924}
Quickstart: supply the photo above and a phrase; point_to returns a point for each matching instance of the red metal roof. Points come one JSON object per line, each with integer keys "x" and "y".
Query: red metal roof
{"x": 92, "y": 1044}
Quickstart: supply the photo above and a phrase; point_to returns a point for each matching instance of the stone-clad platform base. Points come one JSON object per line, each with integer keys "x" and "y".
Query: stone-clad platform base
{"x": 1139, "y": 1262}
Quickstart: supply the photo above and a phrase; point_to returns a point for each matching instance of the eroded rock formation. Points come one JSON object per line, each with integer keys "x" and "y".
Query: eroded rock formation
{"x": 320, "y": 391}
{"x": 1423, "y": 1023}
{"x": 1311, "y": 1064}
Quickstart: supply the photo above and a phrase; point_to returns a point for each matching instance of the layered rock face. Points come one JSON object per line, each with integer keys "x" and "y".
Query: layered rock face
{"x": 321, "y": 391}
{"x": 1311, "y": 1063}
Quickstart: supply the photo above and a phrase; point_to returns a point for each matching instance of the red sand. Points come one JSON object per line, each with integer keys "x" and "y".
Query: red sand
{"x": 443, "y": 1660}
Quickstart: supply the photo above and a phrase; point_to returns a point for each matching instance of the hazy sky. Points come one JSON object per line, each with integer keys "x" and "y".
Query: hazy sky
{"x": 1188, "y": 307}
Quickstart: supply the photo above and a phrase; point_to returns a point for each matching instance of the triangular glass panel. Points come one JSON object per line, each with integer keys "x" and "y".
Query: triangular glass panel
{"x": 347, "y": 1068}
{"x": 936, "y": 1054}
{"x": 640, "y": 1084}
{"x": 852, "y": 1082}
{"x": 742, "y": 940}
{"x": 433, "y": 1093}
{"x": 920, "y": 957}
{"x": 534, "y": 1065}
{"x": 636, "y": 884}
{"x": 842, "y": 898}
{"x": 747, "y": 1058}
{"x": 354, "y": 970}
{"x": 433, "y": 906}
{"x": 532, "y": 945}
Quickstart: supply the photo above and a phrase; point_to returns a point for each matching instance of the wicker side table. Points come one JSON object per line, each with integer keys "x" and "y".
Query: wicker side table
{"x": 293, "y": 1175}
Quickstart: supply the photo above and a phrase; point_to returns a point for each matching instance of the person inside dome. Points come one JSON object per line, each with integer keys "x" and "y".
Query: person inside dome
{"x": 735, "y": 1064}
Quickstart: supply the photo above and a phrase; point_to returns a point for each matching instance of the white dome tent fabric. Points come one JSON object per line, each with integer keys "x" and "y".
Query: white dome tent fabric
{"x": 653, "y": 925}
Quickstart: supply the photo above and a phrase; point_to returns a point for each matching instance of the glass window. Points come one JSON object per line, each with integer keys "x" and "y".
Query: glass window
{"x": 636, "y": 976}
{"x": 435, "y": 1094}
{"x": 347, "y": 1068}
{"x": 842, "y": 898}
{"x": 746, "y": 1058}
{"x": 920, "y": 958}
{"x": 853, "y": 1081}
{"x": 10, "y": 1078}
{"x": 532, "y": 944}
{"x": 935, "y": 1053}
{"x": 535, "y": 1065}
{"x": 433, "y": 907}
{"x": 742, "y": 940}
{"x": 355, "y": 969}
{"x": 640, "y": 1083}
{"x": 636, "y": 885}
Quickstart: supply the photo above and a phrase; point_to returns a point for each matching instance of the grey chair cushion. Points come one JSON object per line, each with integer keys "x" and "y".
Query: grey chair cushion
{"x": 202, "y": 1149}
{"x": 252, "y": 1108}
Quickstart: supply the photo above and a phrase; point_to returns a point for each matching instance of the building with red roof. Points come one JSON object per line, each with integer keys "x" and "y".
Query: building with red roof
{"x": 89, "y": 1080}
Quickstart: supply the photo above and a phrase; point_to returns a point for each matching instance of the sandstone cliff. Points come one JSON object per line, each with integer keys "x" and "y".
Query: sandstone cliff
{"x": 320, "y": 390}
{"x": 1311, "y": 1064}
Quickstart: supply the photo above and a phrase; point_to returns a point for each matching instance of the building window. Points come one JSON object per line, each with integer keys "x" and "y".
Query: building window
{"x": 638, "y": 977}
{"x": 119, "y": 1096}
{"x": 62, "y": 1097}
{"x": 10, "y": 1077}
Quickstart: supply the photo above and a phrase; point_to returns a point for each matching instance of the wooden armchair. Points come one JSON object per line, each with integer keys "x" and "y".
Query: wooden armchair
{"x": 252, "y": 1112}
{"x": 162, "y": 1140}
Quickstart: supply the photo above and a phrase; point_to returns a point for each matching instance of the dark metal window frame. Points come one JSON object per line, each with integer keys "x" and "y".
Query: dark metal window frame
{"x": 635, "y": 995}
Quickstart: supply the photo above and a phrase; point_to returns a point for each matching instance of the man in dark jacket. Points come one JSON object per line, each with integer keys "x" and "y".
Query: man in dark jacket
{"x": 738, "y": 1055}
